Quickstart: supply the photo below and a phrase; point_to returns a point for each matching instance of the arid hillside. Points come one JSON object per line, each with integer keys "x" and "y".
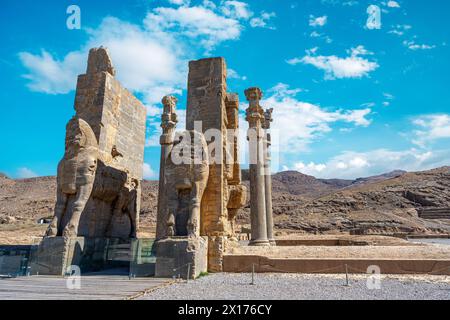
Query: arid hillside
{"x": 383, "y": 204}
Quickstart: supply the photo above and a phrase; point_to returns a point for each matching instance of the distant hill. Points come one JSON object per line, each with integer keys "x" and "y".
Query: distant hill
{"x": 382, "y": 204}
{"x": 386, "y": 203}
{"x": 381, "y": 177}
{"x": 297, "y": 183}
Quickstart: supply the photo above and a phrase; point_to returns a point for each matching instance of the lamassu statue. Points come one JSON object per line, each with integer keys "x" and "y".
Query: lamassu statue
{"x": 186, "y": 175}
{"x": 76, "y": 175}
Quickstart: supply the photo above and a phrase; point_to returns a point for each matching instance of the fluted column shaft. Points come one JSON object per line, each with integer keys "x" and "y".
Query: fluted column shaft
{"x": 255, "y": 116}
{"x": 268, "y": 176}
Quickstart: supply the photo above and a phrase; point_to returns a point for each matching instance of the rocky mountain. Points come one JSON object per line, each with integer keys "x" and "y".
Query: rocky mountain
{"x": 381, "y": 177}
{"x": 383, "y": 204}
{"x": 377, "y": 205}
{"x": 296, "y": 183}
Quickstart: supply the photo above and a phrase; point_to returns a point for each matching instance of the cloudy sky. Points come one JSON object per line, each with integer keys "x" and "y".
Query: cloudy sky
{"x": 352, "y": 95}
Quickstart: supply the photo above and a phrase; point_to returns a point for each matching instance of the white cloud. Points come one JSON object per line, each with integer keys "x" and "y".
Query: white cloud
{"x": 150, "y": 58}
{"x": 205, "y": 25}
{"x": 388, "y": 96}
{"x": 412, "y": 45}
{"x": 317, "y": 21}
{"x": 263, "y": 20}
{"x": 352, "y": 165}
{"x": 232, "y": 74}
{"x": 312, "y": 167}
{"x": 236, "y": 10}
{"x": 24, "y": 173}
{"x": 180, "y": 2}
{"x": 322, "y": 36}
{"x": 358, "y": 162}
{"x": 209, "y": 4}
{"x": 353, "y": 66}
{"x": 148, "y": 172}
{"x": 431, "y": 128}
{"x": 400, "y": 29}
{"x": 393, "y": 4}
{"x": 146, "y": 62}
{"x": 349, "y": 3}
{"x": 297, "y": 124}
{"x": 50, "y": 75}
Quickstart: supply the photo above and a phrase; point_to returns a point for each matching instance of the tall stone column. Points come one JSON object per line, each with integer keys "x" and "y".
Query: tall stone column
{"x": 268, "y": 176}
{"x": 255, "y": 117}
{"x": 168, "y": 123}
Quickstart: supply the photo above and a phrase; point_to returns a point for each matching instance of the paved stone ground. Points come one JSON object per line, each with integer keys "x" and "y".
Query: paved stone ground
{"x": 304, "y": 287}
{"x": 92, "y": 288}
{"x": 228, "y": 286}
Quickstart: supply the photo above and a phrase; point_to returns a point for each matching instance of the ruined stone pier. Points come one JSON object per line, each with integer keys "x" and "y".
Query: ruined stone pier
{"x": 99, "y": 177}
{"x": 209, "y": 192}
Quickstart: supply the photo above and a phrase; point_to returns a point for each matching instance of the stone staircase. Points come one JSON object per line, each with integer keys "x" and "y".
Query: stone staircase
{"x": 434, "y": 213}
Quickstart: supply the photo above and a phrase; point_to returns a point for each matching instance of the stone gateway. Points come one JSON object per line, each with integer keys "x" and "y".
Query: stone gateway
{"x": 200, "y": 186}
{"x": 99, "y": 178}
{"x": 201, "y": 190}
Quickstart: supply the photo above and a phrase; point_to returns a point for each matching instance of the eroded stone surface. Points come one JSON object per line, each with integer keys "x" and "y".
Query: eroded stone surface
{"x": 209, "y": 193}
{"x": 99, "y": 178}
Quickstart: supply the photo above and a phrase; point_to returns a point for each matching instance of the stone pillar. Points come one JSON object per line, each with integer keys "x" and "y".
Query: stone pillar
{"x": 255, "y": 117}
{"x": 268, "y": 175}
{"x": 168, "y": 123}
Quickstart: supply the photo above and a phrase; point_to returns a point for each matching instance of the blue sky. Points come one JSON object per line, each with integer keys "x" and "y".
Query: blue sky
{"x": 349, "y": 101}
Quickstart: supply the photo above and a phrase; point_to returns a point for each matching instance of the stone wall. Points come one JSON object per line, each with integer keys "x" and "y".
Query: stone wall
{"x": 117, "y": 119}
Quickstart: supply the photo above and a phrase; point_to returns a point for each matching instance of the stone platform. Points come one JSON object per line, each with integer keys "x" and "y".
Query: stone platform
{"x": 91, "y": 288}
{"x": 55, "y": 255}
{"x": 404, "y": 259}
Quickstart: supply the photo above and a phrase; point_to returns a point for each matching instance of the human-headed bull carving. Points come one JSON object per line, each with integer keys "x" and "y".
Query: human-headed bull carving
{"x": 186, "y": 175}
{"x": 76, "y": 175}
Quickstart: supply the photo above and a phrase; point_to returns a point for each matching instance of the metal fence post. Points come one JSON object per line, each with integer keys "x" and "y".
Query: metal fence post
{"x": 253, "y": 274}
{"x": 347, "y": 284}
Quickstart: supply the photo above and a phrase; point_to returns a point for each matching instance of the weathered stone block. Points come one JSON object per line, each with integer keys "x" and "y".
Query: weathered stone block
{"x": 55, "y": 254}
{"x": 181, "y": 256}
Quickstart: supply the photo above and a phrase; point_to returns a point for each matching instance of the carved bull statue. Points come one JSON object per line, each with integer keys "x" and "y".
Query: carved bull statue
{"x": 76, "y": 175}
{"x": 186, "y": 175}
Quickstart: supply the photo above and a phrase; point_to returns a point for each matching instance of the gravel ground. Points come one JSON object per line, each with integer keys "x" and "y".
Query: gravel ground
{"x": 231, "y": 286}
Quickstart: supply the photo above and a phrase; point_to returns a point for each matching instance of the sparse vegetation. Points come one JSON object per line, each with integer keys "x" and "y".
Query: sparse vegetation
{"x": 203, "y": 274}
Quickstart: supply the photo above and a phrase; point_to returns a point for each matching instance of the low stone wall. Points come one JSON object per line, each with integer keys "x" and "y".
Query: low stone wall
{"x": 244, "y": 263}
{"x": 319, "y": 242}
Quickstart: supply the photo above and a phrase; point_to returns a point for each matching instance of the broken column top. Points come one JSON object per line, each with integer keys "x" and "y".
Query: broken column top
{"x": 232, "y": 100}
{"x": 267, "y": 118}
{"x": 100, "y": 61}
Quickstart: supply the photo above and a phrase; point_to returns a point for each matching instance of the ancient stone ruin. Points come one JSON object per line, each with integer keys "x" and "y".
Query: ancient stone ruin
{"x": 200, "y": 187}
{"x": 99, "y": 178}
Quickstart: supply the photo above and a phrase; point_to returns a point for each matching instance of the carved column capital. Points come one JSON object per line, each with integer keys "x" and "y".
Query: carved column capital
{"x": 169, "y": 119}
{"x": 254, "y": 112}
